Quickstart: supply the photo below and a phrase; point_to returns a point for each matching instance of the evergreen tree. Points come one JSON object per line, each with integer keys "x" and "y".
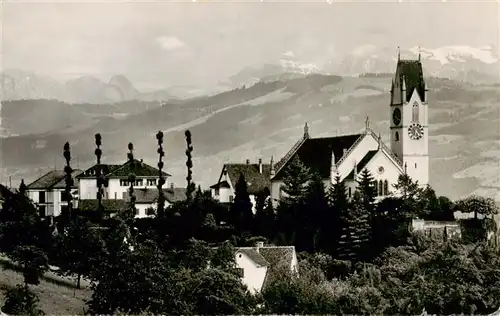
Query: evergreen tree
{"x": 331, "y": 224}
{"x": 21, "y": 301}
{"x": 100, "y": 177}
{"x": 33, "y": 262}
{"x": 264, "y": 215}
{"x": 314, "y": 211}
{"x": 241, "y": 209}
{"x": 356, "y": 230}
{"x": 66, "y": 212}
{"x": 296, "y": 177}
{"x": 367, "y": 187}
{"x": 410, "y": 192}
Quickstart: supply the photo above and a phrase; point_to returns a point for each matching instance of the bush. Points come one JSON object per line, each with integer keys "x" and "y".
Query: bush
{"x": 21, "y": 301}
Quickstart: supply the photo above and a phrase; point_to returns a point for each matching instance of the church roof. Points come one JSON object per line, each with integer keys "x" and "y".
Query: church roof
{"x": 316, "y": 153}
{"x": 412, "y": 73}
{"x": 359, "y": 166}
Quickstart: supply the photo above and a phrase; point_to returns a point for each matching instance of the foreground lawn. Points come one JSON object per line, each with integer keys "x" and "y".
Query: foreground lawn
{"x": 54, "y": 299}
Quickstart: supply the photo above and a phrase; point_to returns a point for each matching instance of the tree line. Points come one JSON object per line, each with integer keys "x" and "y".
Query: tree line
{"x": 356, "y": 255}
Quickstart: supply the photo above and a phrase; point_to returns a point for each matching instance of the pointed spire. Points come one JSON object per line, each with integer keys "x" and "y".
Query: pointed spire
{"x": 367, "y": 124}
{"x": 404, "y": 83}
{"x": 419, "y": 53}
{"x": 333, "y": 163}
{"x": 379, "y": 140}
{"x": 273, "y": 172}
{"x": 355, "y": 170}
{"x": 399, "y": 54}
{"x": 406, "y": 168}
{"x": 306, "y": 131}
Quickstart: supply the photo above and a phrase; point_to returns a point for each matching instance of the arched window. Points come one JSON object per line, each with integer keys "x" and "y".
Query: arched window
{"x": 350, "y": 191}
{"x": 386, "y": 187}
{"x": 396, "y": 136}
{"x": 415, "y": 112}
{"x": 380, "y": 188}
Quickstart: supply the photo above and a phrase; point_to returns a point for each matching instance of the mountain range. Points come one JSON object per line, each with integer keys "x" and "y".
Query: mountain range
{"x": 462, "y": 63}
{"x": 259, "y": 120}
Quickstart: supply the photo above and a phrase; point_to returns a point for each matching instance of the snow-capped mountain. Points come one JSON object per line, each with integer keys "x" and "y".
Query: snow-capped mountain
{"x": 456, "y": 62}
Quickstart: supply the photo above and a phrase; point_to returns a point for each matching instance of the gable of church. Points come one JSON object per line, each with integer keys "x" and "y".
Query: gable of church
{"x": 316, "y": 153}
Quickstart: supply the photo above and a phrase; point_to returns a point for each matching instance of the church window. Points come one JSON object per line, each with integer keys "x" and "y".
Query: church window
{"x": 396, "y": 136}
{"x": 350, "y": 192}
{"x": 380, "y": 188}
{"x": 386, "y": 187}
{"x": 415, "y": 112}
{"x": 415, "y": 165}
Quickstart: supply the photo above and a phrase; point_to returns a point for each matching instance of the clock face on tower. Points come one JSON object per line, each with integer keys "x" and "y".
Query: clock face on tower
{"x": 415, "y": 131}
{"x": 396, "y": 116}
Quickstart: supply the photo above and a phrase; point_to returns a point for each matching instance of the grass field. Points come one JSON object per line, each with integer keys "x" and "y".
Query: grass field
{"x": 54, "y": 299}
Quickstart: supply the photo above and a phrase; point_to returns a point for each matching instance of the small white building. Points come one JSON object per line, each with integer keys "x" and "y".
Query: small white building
{"x": 261, "y": 264}
{"x": 48, "y": 192}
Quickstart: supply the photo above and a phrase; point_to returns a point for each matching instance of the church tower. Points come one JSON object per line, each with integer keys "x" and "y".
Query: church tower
{"x": 409, "y": 119}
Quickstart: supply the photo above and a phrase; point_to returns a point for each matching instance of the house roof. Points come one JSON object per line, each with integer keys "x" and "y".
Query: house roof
{"x": 256, "y": 181}
{"x": 53, "y": 179}
{"x": 412, "y": 73}
{"x": 91, "y": 172}
{"x": 316, "y": 153}
{"x": 139, "y": 168}
{"x": 172, "y": 195}
{"x": 253, "y": 255}
{"x": 110, "y": 206}
{"x": 278, "y": 257}
{"x": 62, "y": 183}
{"x": 222, "y": 184}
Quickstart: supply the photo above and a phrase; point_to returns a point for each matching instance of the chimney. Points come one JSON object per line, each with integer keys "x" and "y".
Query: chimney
{"x": 248, "y": 161}
{"x": 141, "y": 162}
{"x": 260, "y": 165}
{"x": 259, "y": 245}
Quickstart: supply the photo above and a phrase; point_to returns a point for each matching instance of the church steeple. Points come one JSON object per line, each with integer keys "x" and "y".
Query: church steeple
{"x": 306, "y": 131}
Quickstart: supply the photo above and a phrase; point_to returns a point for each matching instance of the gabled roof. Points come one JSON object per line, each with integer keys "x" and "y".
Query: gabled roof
{"x": 411, "y": 72}
{"x": 359, "y": 166}
{"x": 62, "y": 184}
{"x": 53, "y": 179}
{"x": 91, "y": 172}
{"x": 278, "y": 257}
{"x": 139, "y": 168}
{"x": 253, "y": 255}
{"x": 256, "y": 181}
{"x": 148, "y": 196}
{"x": 316, "y": 153}
{"x": 222, "y": 184}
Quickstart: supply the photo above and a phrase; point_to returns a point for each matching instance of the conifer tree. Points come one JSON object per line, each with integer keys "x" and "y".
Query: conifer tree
{"x": 161, "y": 178}
{"x": 131, "y": 179}
{"x": 264, "y": 214}
{"x": 296, "y": 177}
{"x": 314, "y": 211}
{"x": 368, "y": 190}
{"x": 332, "y": 223}
{"x": 355, "y": 232}
{"x": 241, "y": 209}
{"x": 189, "y": 164}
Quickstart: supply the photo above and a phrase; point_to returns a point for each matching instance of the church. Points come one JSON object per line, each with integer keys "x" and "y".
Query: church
{"x": 349, "y": 155}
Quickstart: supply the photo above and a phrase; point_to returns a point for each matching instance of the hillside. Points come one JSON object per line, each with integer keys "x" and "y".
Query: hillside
{"x": 267, "y": 118}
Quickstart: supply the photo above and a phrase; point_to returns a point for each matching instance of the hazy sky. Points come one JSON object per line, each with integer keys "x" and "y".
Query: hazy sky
{"x": 201, "y": 42}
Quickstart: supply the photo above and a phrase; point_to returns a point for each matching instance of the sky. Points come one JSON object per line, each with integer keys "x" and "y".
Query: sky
{"x": 202, "y": 42}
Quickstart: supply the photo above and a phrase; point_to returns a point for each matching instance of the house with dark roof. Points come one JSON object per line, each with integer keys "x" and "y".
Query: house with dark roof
{"x": 257, "y": 177}
{"x": 48, "y": 192}
{"x": 260, "y": 265}
{"x": 116, "y": 195}
{"x": 349, "y": 155}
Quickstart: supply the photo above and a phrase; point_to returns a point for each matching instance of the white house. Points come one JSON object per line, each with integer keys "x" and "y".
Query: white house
{"x": 48, "y": 192}
{"x": 349, "y": 155}
{"x": 261, "y": 264}
{"x": 257, "y": 176}
{"x": 116, "y": 196}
